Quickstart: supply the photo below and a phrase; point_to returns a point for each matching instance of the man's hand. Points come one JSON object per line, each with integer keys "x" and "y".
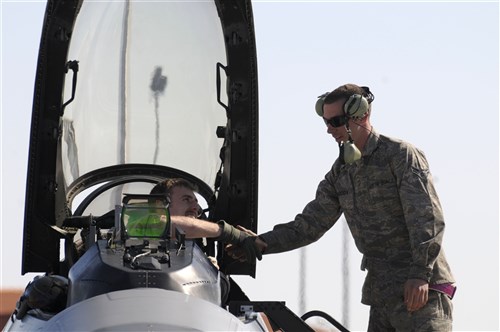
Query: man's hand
{"x": 416, "y": 294}
{"x": 241, "y": 237}
{"x": 237, "y": 252}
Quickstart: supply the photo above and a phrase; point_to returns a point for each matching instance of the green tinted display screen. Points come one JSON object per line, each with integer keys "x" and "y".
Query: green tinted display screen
{"x": 145, "y": 220}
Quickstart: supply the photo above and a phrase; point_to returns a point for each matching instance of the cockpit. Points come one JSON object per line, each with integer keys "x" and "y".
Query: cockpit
{"x": 136, "y": 245}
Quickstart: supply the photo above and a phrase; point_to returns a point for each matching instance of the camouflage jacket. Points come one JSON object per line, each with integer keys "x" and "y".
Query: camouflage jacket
{"x": 392, "y": 209}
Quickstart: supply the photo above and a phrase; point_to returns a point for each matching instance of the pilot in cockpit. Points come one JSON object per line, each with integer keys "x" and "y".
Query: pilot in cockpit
{"x": 183, "y": 202}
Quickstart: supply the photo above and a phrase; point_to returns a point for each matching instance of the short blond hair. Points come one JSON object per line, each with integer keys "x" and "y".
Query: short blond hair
{"x": 166, "y": 186}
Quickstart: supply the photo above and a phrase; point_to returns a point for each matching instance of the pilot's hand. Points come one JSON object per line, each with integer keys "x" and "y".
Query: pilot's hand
{"x": 213, "y": 260}
{"x": 416, "y": 294}
{"x": 242, "y": 238}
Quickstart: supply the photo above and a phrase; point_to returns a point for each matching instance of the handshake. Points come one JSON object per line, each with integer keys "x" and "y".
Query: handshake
{"x": 243, "y": 243}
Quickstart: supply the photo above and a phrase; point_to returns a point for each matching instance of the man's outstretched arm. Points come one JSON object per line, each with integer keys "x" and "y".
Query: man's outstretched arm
{"x": 196, "y": 228}
{"x": 221, "y": 231}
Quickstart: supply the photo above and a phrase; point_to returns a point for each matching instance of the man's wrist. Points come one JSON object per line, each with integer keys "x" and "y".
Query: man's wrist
{"x": 221, "y": 236}
{"x": 220, "y": 229}
{"x": 229, "y": 233}
{"x": 417, "y": 272}
{"x": 261, "y": 244}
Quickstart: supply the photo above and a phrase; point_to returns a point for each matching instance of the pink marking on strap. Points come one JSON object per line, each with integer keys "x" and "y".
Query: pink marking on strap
{"x": 447, "y": 289}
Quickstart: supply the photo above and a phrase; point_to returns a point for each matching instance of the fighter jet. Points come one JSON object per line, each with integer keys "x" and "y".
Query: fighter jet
{"x": 128, "y": 93}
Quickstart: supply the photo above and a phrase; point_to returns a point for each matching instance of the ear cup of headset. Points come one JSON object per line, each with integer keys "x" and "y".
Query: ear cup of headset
{"x": 319, "y": 104}
{"x": 356, "y": 106}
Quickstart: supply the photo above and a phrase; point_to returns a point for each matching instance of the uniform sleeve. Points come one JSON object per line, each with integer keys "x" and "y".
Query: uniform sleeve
{"x": 318, "y": 216}
{"x": 422, "y": 211}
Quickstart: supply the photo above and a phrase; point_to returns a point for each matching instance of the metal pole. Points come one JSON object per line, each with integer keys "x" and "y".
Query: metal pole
{"x": 302, "y": 280}
{"x": 345, "y": 274}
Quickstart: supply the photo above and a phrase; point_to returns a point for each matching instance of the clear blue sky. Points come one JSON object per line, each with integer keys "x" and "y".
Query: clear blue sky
{"x": 434, "y": 70}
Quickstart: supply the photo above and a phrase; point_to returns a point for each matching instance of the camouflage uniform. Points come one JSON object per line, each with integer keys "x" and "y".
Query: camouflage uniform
{"x": 396, "y": 220}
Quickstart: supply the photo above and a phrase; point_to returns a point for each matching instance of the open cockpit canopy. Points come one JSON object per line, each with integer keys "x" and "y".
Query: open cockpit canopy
{"x": 130, "y": 92}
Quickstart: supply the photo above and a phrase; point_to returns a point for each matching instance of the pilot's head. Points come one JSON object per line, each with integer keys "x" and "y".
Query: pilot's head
{"x": 183, "y": 201}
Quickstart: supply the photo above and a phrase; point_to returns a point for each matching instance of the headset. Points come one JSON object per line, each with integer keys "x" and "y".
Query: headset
{"x": 356, "y": 107}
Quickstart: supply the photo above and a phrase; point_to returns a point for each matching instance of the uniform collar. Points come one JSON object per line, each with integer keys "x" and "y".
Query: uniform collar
{"x": 371, "y": 143}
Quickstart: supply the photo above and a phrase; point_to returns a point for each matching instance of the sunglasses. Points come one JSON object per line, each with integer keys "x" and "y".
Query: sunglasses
{"x": 336, "y": 121}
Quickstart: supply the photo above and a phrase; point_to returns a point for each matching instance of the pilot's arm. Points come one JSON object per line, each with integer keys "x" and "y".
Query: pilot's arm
{"x": 221, "y": 231}
{"x": 196, "y": 228}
